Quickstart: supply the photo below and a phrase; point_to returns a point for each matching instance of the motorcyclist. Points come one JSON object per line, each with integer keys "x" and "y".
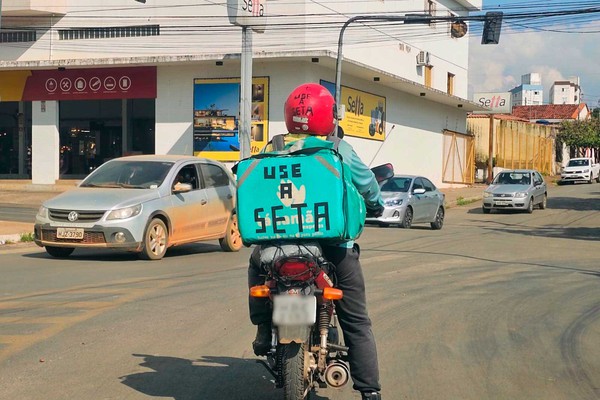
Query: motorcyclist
{"x": 310, "y": 110}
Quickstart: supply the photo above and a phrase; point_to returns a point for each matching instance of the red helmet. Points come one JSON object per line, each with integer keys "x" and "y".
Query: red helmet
{"x": 310, "y": 108}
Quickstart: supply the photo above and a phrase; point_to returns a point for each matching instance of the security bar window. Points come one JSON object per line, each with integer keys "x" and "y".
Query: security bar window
{"x": 110, "y": 32}
{"x": 17, "y": 36}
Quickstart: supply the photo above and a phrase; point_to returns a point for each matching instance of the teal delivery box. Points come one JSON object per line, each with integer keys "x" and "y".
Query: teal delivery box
{"x": 306, "y": 194}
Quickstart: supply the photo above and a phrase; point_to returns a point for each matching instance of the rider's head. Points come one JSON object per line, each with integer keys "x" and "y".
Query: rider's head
{"x": 310, "y": 108}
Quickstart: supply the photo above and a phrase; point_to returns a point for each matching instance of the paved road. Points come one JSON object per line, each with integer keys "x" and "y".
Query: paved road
{"x": 499, "y": 306}
{"x": 12, "y": 212}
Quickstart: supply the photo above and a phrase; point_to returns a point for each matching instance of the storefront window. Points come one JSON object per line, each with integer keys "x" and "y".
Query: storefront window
{"x": 91, "y": 132}
{"x": 15, "y": 139}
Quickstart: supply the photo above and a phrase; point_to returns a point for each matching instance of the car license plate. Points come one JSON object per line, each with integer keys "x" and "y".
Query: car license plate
{"x": 502, "y": 203}
{"x": 69, "y": 233}
{"x": 294, "y": 310}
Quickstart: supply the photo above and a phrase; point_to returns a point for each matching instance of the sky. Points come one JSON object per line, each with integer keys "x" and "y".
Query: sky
{"x": 573, "y": 51}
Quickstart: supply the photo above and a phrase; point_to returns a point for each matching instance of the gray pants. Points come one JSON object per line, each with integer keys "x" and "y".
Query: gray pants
{"x": 351, "y": 310}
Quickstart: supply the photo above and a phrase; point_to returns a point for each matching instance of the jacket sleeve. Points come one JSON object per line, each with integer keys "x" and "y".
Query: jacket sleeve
{"x": 362, "y": 176}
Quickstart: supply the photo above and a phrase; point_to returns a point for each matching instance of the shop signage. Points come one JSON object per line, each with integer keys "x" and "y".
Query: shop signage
{"x": 365, "y": 113}
{"x": 499, "y": 103}
{"x": 251, "y": 13}
{"x": 81, "y": 84}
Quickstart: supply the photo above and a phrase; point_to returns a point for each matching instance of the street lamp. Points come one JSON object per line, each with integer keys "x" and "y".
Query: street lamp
{"x": 491, "y": 30}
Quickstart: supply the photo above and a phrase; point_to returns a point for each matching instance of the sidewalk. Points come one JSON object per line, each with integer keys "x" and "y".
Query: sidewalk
{"x": 21, "y": 193}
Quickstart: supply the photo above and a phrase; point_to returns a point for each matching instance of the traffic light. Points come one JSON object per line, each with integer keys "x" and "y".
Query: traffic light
{"x": 491, "y": 27}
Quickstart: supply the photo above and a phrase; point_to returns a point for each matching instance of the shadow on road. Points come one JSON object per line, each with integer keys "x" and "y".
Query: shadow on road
{"x": 107, "y": 255}
{"x": 557, "y": 203}
{"x": 560, "y": 232}
{"x": 574, "y": 203}
{"x": 215, "y": 378}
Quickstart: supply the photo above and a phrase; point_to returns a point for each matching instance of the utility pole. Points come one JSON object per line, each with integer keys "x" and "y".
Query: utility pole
{"x": 490, "y": 167}
{"x": 251, "y": 16}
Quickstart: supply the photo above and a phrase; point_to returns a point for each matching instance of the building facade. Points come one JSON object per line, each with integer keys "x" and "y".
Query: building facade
{"x": 566, "y": 92}
{"x": 530, "y": 92}
{"x": 81, "y": 84}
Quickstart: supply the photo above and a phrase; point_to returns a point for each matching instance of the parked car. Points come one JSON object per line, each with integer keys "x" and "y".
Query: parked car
{"x": 520, "y": 189}
{"x": 411, "y": 200}
{"x": 580, "y": 170}
{"x": 144, "y": 204}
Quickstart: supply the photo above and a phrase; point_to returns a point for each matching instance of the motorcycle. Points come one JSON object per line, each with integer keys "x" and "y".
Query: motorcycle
{"x": 306, "y": 347}
{"x": 307, "y": 350}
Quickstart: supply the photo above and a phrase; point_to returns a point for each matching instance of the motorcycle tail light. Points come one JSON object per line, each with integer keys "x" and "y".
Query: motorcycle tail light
{"x": 260, "y": 291}
{"x": 330, "y": 293}
{"x": 296, "y": 270}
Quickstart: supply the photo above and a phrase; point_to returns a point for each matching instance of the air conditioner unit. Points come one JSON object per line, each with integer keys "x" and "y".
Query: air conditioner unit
{"x": 423, "y": 58}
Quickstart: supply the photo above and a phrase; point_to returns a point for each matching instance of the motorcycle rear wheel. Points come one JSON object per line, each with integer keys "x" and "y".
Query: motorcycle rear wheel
{"x": 294, "y": 382}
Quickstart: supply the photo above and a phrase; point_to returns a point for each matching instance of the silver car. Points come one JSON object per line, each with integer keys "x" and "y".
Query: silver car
{"x": 410, "y": 200}
{"x": 520, "y": 189}
{"x": 144, "y": 204}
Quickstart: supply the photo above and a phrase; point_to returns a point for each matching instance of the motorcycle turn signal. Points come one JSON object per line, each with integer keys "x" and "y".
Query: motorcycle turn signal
{"x": 260, "y": 291}
{"x": 330, "y": 293}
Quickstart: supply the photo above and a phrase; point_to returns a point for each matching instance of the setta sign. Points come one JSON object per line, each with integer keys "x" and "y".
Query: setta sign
{"x": 500, "y": 102}
{"x": 252, "y": 13}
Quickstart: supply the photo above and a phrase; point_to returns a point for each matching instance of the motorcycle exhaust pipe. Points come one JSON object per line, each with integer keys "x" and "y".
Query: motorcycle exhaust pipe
{"x": 337, "y": 374}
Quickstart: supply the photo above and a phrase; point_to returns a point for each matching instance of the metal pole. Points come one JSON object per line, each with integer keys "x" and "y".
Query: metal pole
{"x": 389, "y": 18}
{"x": 338, "y": 68}
{"x": 245, "y": 93}
{"x": 490, "y": 168}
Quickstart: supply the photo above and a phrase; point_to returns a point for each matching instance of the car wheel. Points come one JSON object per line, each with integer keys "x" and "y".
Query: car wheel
{"x": 591, "y": 179}
{"x": 408, "y": 218}
{"x": 530, "y": 206}
{"x": 486, "y": 210}
{"x": 544, "y": 202}
{"x": 59, "y": 252}
{"x": 155, "y": 240}
{"x": 439, "y": 219}
{"x": 232, "y": 240}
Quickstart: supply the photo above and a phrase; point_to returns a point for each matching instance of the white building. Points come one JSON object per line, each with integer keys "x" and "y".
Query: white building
{"x": 82, "y": 82}
{"x": 566, "y": 92}
{"x": 530, "y": 92}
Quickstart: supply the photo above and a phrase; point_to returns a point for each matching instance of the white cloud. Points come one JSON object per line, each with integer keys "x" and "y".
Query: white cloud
{"x": 556, "y": 56}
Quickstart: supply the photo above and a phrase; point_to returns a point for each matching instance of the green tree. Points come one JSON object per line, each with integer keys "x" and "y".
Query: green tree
{"x": 579, "y": 134}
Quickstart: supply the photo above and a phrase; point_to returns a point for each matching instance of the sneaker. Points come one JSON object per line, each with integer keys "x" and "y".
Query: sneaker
{"x": 262, "y": 342}
{"x": 371, "y": 396}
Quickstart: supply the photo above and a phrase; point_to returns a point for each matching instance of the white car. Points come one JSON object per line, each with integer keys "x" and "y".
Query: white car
{"x": 580, "y": 170}
{"x": 143, "y": 204}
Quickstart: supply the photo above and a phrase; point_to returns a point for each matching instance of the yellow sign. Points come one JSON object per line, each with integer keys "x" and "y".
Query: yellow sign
{"x": 365, "y": 114}
{"x": 12, "y": 85}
